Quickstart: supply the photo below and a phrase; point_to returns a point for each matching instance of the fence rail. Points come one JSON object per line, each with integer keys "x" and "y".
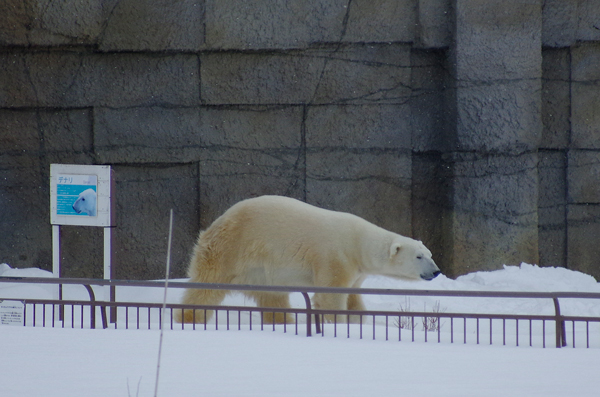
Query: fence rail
{"x": 532, "y": 329}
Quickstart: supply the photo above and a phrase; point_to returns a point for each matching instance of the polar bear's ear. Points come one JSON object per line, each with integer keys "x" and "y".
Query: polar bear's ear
{"x": 395, "y": 249}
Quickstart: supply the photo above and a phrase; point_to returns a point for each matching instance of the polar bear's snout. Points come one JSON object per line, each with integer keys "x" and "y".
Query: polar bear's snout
{"x": 430, "y": 270}
{"x": 430, "y": 276}
{"x": 86, "y": 203}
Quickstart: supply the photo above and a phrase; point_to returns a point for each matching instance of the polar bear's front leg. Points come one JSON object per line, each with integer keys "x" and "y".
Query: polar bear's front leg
{"x": 331, "y": 302}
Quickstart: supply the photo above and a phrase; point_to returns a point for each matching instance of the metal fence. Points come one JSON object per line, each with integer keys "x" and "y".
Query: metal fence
{"x": 530, "y": 329}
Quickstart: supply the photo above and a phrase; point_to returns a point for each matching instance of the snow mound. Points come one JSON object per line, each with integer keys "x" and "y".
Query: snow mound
{"x": 7, "y": 271}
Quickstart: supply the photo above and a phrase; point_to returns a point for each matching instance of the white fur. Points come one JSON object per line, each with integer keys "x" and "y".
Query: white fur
{"x": 273, "y": 240}
{"x": 86, "y": 202}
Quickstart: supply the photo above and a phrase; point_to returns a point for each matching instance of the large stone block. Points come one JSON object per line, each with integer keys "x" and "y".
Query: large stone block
{"x": 380, "y": 21}
{"x": 229, "y": 175}
{"x": 584, "y": 176}
{"x": 154, "y": 25}
{"x": 276, "y": 24}
{"x": 428, "y": 110}
{"x": 501, "y": 117}
{"x": 373, "y": 184}
{"x": 584, "y": 234}
{"x": 51, "y": 23}
{"x": 247, "y": 152}
{"x": 144, "y": 197}
{"x": 168, "y": 135}
{"x": 252, "y": 127}
{"x": 552, "y": 208}
{"x": 588, "y": 15}
{"x": 585, "y": 118}
{"x": 559, "y": 23}
{"x": 352, "y": 74}
{"x": 147, "y": 135}
{"x": 67, "y": 79}
{"x": 378, "y": 73}
{"x": 556, "y": 98}
{"x": 46, "y": 135}
{"x": 497, "y": 40}
{"x": 359, "y": 126}
{"x": 494, "y": 217}
{"x": 236, "y": 78}
{"x": 433, "y": 24}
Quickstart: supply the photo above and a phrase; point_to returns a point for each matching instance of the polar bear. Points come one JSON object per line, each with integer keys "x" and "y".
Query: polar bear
{"x": 86, "y": 202}
{"x": 274, "y": 240}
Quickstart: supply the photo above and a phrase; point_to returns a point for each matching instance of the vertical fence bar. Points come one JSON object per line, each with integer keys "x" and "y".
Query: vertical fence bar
{"x": 322, "y": 319}
{"x": 348, "y": 326}
{"x": 386, "y": 327}
{"x": 587, "y": 333}
{"x": 399, "y": 328}
{"x": 360, "y": 325}
{"x": 335, "y": 325}
{"x": 373, "y": 327}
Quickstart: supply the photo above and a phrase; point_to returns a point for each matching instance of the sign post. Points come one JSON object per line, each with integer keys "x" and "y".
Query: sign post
{"x": 82, "y": 195}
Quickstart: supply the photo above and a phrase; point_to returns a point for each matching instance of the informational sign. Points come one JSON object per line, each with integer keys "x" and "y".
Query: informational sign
{"x": 80, "y": 195}
{"x": 11, "y": 312}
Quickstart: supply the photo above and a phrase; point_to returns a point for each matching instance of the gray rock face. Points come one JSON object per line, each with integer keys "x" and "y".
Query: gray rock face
{"x": 471, "y": 125}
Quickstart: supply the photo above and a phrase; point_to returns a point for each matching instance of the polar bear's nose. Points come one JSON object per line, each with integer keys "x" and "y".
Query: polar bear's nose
{"x": 430, "y": 276}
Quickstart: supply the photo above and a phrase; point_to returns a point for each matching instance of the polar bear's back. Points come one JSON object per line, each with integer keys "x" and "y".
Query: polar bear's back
{"x": 284, "y": 218}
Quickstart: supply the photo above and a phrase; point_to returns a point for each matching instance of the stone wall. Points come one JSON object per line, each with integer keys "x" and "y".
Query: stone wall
{"x": 469, "y": 124}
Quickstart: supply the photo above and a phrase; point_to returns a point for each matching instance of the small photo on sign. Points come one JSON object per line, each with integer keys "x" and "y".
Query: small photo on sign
{"x": 76, "y": 195}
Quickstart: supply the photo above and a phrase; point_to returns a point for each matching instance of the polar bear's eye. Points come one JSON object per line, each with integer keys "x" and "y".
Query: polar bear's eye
{"x": 419, "y": 256}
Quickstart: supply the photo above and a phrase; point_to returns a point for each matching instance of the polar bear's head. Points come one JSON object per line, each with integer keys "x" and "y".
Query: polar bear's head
{"x": 410, "y": 259}
{"x": 86, "y": 202}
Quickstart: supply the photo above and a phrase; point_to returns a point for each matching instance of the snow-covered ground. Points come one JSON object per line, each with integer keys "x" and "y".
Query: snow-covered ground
{"x": 117, "y": 362}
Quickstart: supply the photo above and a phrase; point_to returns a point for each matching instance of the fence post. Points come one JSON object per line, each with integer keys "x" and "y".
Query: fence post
{"x": 561, "y": 337}
{"x": 308, "y": 313}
